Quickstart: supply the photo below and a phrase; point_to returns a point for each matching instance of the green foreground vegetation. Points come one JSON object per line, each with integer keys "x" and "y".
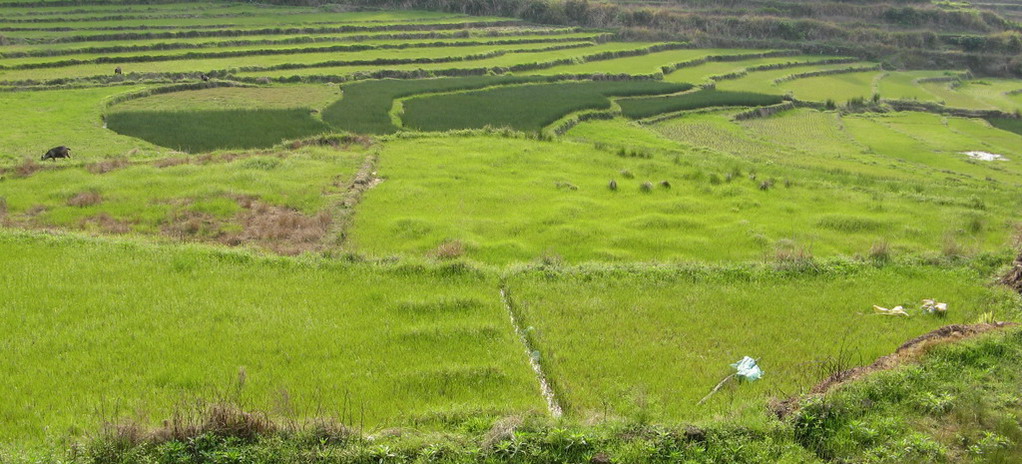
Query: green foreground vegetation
{"x": 957, "y": 405}
{"x": 308, "y": 234}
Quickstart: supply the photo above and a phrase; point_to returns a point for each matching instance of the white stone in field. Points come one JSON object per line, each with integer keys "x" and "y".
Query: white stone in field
{"x": 984, "y": 156}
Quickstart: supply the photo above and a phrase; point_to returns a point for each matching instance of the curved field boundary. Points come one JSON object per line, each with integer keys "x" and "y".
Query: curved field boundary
{"x": 525, "y": 107}
{"x": 145, "y": 27}
{"x": 105, "y": 78}
{"x": 387, "y": 61}
{"x": 667, "y": 69}
{"x": 121, "y": 98}
{"x": 281, "y": 51}
{"x": 829, "y": 72}
{"x": 773, "y": 67}
{"x": 284, "y": 30}
{"x": 477, "y": 71}
{"x": 369, "y": 106}
{"x": 297, "y": 40}
{"x": 911, "y": 105}
{"x": 937, "y": 80}
{"x": 639, "y": 108}
{"x": 558, "y": 127}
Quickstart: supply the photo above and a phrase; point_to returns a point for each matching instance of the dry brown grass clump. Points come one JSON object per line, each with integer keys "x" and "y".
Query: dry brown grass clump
{"x": 26, "y": 168}
{"x": 169, "y": 162}
{"x": 880, "y": 251}
{"x": 84, "y": 199}
{"x": 283, "y": 230}
{"x": 219, "y": 419}
{"x": 1013, "y": 278}
{"x": 105, "y": 223}
{"x": 105, "y": 166}
{"x": 191, "y": 225}
{"x": 450, "y": 249}
{"x": 788, "y": 254}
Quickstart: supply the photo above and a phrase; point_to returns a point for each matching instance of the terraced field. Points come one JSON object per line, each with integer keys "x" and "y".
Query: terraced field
{"x": 435, "y": 220}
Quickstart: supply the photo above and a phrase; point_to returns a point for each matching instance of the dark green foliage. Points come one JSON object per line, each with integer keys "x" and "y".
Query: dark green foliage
{"x": 1008, "y": 124}
{"x": 365, "y": 106}
{"x": 196, "y": 131}
{"x": 527, "y": 107}
{"x": 637, "y": 108}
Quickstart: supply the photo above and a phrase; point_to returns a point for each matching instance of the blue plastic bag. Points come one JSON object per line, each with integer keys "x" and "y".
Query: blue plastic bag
{"x": 747, "y": 369}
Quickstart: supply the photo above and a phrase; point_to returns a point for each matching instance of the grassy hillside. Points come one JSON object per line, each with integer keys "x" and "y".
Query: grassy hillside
{"x": 335, "y": 233}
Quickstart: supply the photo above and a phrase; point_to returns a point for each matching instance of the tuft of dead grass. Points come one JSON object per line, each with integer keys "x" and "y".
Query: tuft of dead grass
{"x": 192, "y": 225}
{"x": 169, "y": 162}
{"x": 220, "y": 419}
{"x": 880, "y": 251}
{"x": 105, "y": 166}
{"x": 791, "y": 255}
{"x": 26, "y": 168}
{"x": 1013, "y": 278}
{"x": 451, "y": 249}
{"x": 105, "y": 223}
{"x": 85, "y": 199}
{"x": 503, "y": 429}
{"x": 281, "y": 229}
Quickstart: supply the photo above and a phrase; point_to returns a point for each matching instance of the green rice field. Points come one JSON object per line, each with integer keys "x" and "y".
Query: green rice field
{"x": 424, "y": 220}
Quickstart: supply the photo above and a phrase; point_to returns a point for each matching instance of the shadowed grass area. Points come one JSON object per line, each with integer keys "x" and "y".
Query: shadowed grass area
{"x": 1011, "y": 125}
{"x": 637, "y": 108}
{"x": 198, "y": 131}
{"x": 527, "y": 107}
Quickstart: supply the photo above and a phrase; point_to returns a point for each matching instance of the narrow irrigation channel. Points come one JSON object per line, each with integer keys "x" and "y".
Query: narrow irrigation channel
{"x": 544, "y": 386}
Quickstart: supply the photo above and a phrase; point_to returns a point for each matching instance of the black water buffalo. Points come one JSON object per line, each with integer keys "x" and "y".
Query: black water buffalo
{"x": 57, "y": 152}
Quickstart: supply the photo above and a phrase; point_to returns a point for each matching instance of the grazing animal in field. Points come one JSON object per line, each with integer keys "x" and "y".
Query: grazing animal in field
{"x": 204, "y": 77}
{"x": 612, "y": 185}
{"x": 118, "y": 70}
{"x": 57, "y": 152}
